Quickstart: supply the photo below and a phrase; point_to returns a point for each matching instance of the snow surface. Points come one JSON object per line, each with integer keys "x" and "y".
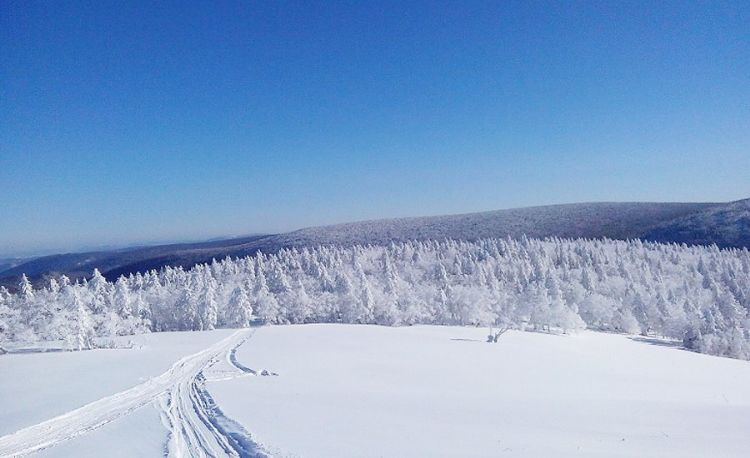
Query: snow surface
{"x": 38, "y": 386}
{"x": 355, "y": 390}
{"x": 138, "y": 434}
{"x": 348, "y": 390}
{"x": 194, "y": 423}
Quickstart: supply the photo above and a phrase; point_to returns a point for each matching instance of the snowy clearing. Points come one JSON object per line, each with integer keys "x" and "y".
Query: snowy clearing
{"x": 360, "y": 390}
{"x": 347, "y": 390}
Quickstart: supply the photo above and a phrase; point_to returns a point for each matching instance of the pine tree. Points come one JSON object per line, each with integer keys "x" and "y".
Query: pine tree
{"x": 300, "y": 309}
{"x": 80, "y": 336}
{"x": 26, "y": 290}
{"x": 208, "y": 308}
{"x": 239, "y": 309}
{"x": 265, "y": 305}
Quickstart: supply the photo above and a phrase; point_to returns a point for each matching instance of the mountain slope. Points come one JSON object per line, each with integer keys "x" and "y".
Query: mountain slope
{"x": 590, "y": 220}
{"x": 726, "y": 224}
{"x": 82, "y": 264}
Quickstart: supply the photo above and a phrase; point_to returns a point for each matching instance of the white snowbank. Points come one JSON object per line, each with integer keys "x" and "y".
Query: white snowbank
{"x": 347, "y": 390}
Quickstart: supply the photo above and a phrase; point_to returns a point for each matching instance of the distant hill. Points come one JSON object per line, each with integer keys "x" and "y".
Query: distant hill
{"x": 8, "y": 263}
{"x": 726, "y": 224}
{"x": 79, "y": 265}
{"x": 590, "y": 220}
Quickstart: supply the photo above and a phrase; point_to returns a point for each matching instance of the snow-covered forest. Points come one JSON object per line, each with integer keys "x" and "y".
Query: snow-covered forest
{"x": 699, "y": 295}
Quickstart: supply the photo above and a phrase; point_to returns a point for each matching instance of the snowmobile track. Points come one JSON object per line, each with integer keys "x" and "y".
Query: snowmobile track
{"x": 197, "y": 426}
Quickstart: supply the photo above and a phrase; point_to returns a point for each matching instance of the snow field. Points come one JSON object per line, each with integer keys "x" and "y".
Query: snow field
{"x": 186, "y": 411}
{"x": 349, "y": 390}
{"x": 36, "y": 387}
{"x": 361, "y": 390}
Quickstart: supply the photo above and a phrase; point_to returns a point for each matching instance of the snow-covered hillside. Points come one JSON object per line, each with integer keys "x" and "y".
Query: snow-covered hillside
{"x": 615, "y": 220}
{"x": 360, "y": 390}
{"x": 725, "y": 225}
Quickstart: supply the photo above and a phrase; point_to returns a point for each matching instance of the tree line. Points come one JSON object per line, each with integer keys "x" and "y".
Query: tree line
{"x": 699, "y": 295}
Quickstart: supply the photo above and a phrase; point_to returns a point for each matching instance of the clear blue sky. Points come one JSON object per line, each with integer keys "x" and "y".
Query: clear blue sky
{"x": 134, "y": 121}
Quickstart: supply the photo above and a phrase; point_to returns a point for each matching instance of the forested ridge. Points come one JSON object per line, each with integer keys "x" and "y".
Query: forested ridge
{"x": 699, "y": 295}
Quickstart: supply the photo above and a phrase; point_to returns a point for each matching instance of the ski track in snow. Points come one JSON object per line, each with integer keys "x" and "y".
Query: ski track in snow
{"x": 197, "y": 426}
{"x": 232, "y": 360}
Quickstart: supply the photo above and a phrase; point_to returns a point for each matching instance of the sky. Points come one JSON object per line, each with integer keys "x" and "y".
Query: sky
{"x": 133, "y": 122}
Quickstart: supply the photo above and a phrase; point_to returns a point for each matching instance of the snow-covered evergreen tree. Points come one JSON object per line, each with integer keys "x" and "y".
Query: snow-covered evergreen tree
{"x": 239, "y": 311}
{"x": 80, "y": 335}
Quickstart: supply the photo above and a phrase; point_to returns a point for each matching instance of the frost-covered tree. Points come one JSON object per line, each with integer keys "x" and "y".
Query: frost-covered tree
{"x": 26, "y": 290}
{"x": 239, "y": 311}
{"x": 265, "y": 305}
{"x": 80, "y": 335}
{"x": 301, "y": 307}
{"x": 208, "y": 308}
